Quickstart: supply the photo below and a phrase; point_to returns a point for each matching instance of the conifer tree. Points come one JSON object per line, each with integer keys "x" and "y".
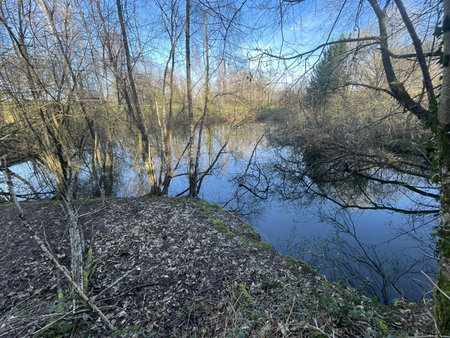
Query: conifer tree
{"x": 328, "y": 75}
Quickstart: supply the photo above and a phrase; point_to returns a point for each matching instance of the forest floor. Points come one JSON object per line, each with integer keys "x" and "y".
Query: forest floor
{"x": 177, "y": 267}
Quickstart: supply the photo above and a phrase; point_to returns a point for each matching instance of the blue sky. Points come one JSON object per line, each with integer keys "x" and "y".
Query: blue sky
{"x": 310, "y": 23}
{"x": 265, "y": 26}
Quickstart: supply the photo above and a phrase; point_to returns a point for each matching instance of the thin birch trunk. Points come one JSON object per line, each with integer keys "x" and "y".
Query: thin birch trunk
{"x": 192, "y": 180}
{"x": 76, "y": 243}
{"x": 205, "y": 105}
{"x": 169, "y": 170}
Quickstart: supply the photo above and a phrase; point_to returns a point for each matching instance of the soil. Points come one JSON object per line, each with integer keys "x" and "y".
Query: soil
{"x": 176, "y": 267}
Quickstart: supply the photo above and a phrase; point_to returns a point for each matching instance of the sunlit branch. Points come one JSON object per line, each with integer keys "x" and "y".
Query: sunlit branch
{"x": 369, "y": 87}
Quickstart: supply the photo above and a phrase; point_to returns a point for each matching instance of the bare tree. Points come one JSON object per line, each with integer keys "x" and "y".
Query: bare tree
{"x": 49, "y": 103}
{"x": 173, "y": 26}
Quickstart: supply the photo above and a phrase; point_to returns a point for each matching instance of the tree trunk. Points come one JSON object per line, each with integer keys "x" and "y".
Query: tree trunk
{"x": 132, "y": 101}
{"x": 168, "y": 136}
{"x": 192, "y": 180}
{"x": 397, "y": 88}
{"x": 169, "y": 171}
{"x": 417, "y": 43}
{"x": 205, "y": 105}
{"x": 76, "y": 246}
{"x": 442, "y": 302}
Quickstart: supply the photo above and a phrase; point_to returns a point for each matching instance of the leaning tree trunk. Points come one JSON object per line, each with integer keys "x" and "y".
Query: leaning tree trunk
{"x": 132, "y": 100}
{"x": 442, "y": 293}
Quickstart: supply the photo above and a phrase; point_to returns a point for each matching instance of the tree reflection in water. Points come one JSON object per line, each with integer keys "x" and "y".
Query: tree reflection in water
{"x": 378, "y": 208}
{"x": 368, "y": 186}
{"x": 289, "y": 194}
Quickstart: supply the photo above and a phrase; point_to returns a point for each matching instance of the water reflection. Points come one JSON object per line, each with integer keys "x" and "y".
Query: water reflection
{"x": 380, "y": 251}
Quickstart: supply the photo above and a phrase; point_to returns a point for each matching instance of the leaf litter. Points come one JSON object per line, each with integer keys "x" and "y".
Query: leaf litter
{"x": 178, "y": 267}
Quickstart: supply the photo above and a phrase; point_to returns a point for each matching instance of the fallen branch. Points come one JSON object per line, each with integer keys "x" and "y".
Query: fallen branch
{"x": 112, "y": 285}
{"x": 47, "y": 252}
{"x": 435, "y": 285}
{"x": 53, "y": 322}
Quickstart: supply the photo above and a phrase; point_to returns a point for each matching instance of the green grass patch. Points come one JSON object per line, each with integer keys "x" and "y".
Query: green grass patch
{"x": 52, "y": 202}
{"x": 93, "y": 200}
{"x": 202, "y": 205}
{"x": 252, "y": 232}
{"x": 152, "y": 199}
{"x": 219, "y": 225}
{"x": 219, "y": 209}
{"x": 381, "y": 325}
{"x": 180, "y": 200}
{"x": 264, "y": 245}
{"x": 244, "y": 240}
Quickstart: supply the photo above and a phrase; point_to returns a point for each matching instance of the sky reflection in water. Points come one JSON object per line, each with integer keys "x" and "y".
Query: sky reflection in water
{"x": 312, "y": 232}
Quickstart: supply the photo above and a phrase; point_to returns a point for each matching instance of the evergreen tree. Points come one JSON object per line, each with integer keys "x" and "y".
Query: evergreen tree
{"x": 328, "y": 75}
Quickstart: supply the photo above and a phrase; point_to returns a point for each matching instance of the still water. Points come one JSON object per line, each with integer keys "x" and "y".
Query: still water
{"x": 378, "y": 251}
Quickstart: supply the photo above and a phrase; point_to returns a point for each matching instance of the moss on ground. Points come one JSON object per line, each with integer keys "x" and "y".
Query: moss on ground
{"x": 251, "y": 231}
{"x": 240, "y": 295}
{"x": 219, "y": 209}
{"x": 179, "y": 200}
{"x": 209, "y": 208}
{"x": 30, "y": 202}
{"x": 295, "y": 265}
{"x": 219, "y": 225}
{"x": 202, "y": 205}
{"x": 93, "y": 200}
{"x": 442, "y": 305}
{"x": 381, "y": 325}
{"x": 244, "y": 240}
{"x": 263, "y": 245}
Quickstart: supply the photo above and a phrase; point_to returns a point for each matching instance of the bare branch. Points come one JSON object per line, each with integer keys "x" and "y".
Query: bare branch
{"x": 50, "y": 256}
{"x": 310, "y": 52}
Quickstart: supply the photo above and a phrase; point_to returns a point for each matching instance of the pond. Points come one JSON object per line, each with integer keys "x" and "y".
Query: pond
{"x": 378, "y": 251}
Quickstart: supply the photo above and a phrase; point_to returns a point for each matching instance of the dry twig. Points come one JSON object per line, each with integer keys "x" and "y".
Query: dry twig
{"x": 49, "y": 255}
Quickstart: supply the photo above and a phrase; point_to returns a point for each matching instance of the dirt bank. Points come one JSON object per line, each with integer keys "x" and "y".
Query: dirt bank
{"x": 176, "y": 267}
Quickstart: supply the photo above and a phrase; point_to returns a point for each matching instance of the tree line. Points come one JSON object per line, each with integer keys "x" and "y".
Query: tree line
{"x": 75, "y": 74}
